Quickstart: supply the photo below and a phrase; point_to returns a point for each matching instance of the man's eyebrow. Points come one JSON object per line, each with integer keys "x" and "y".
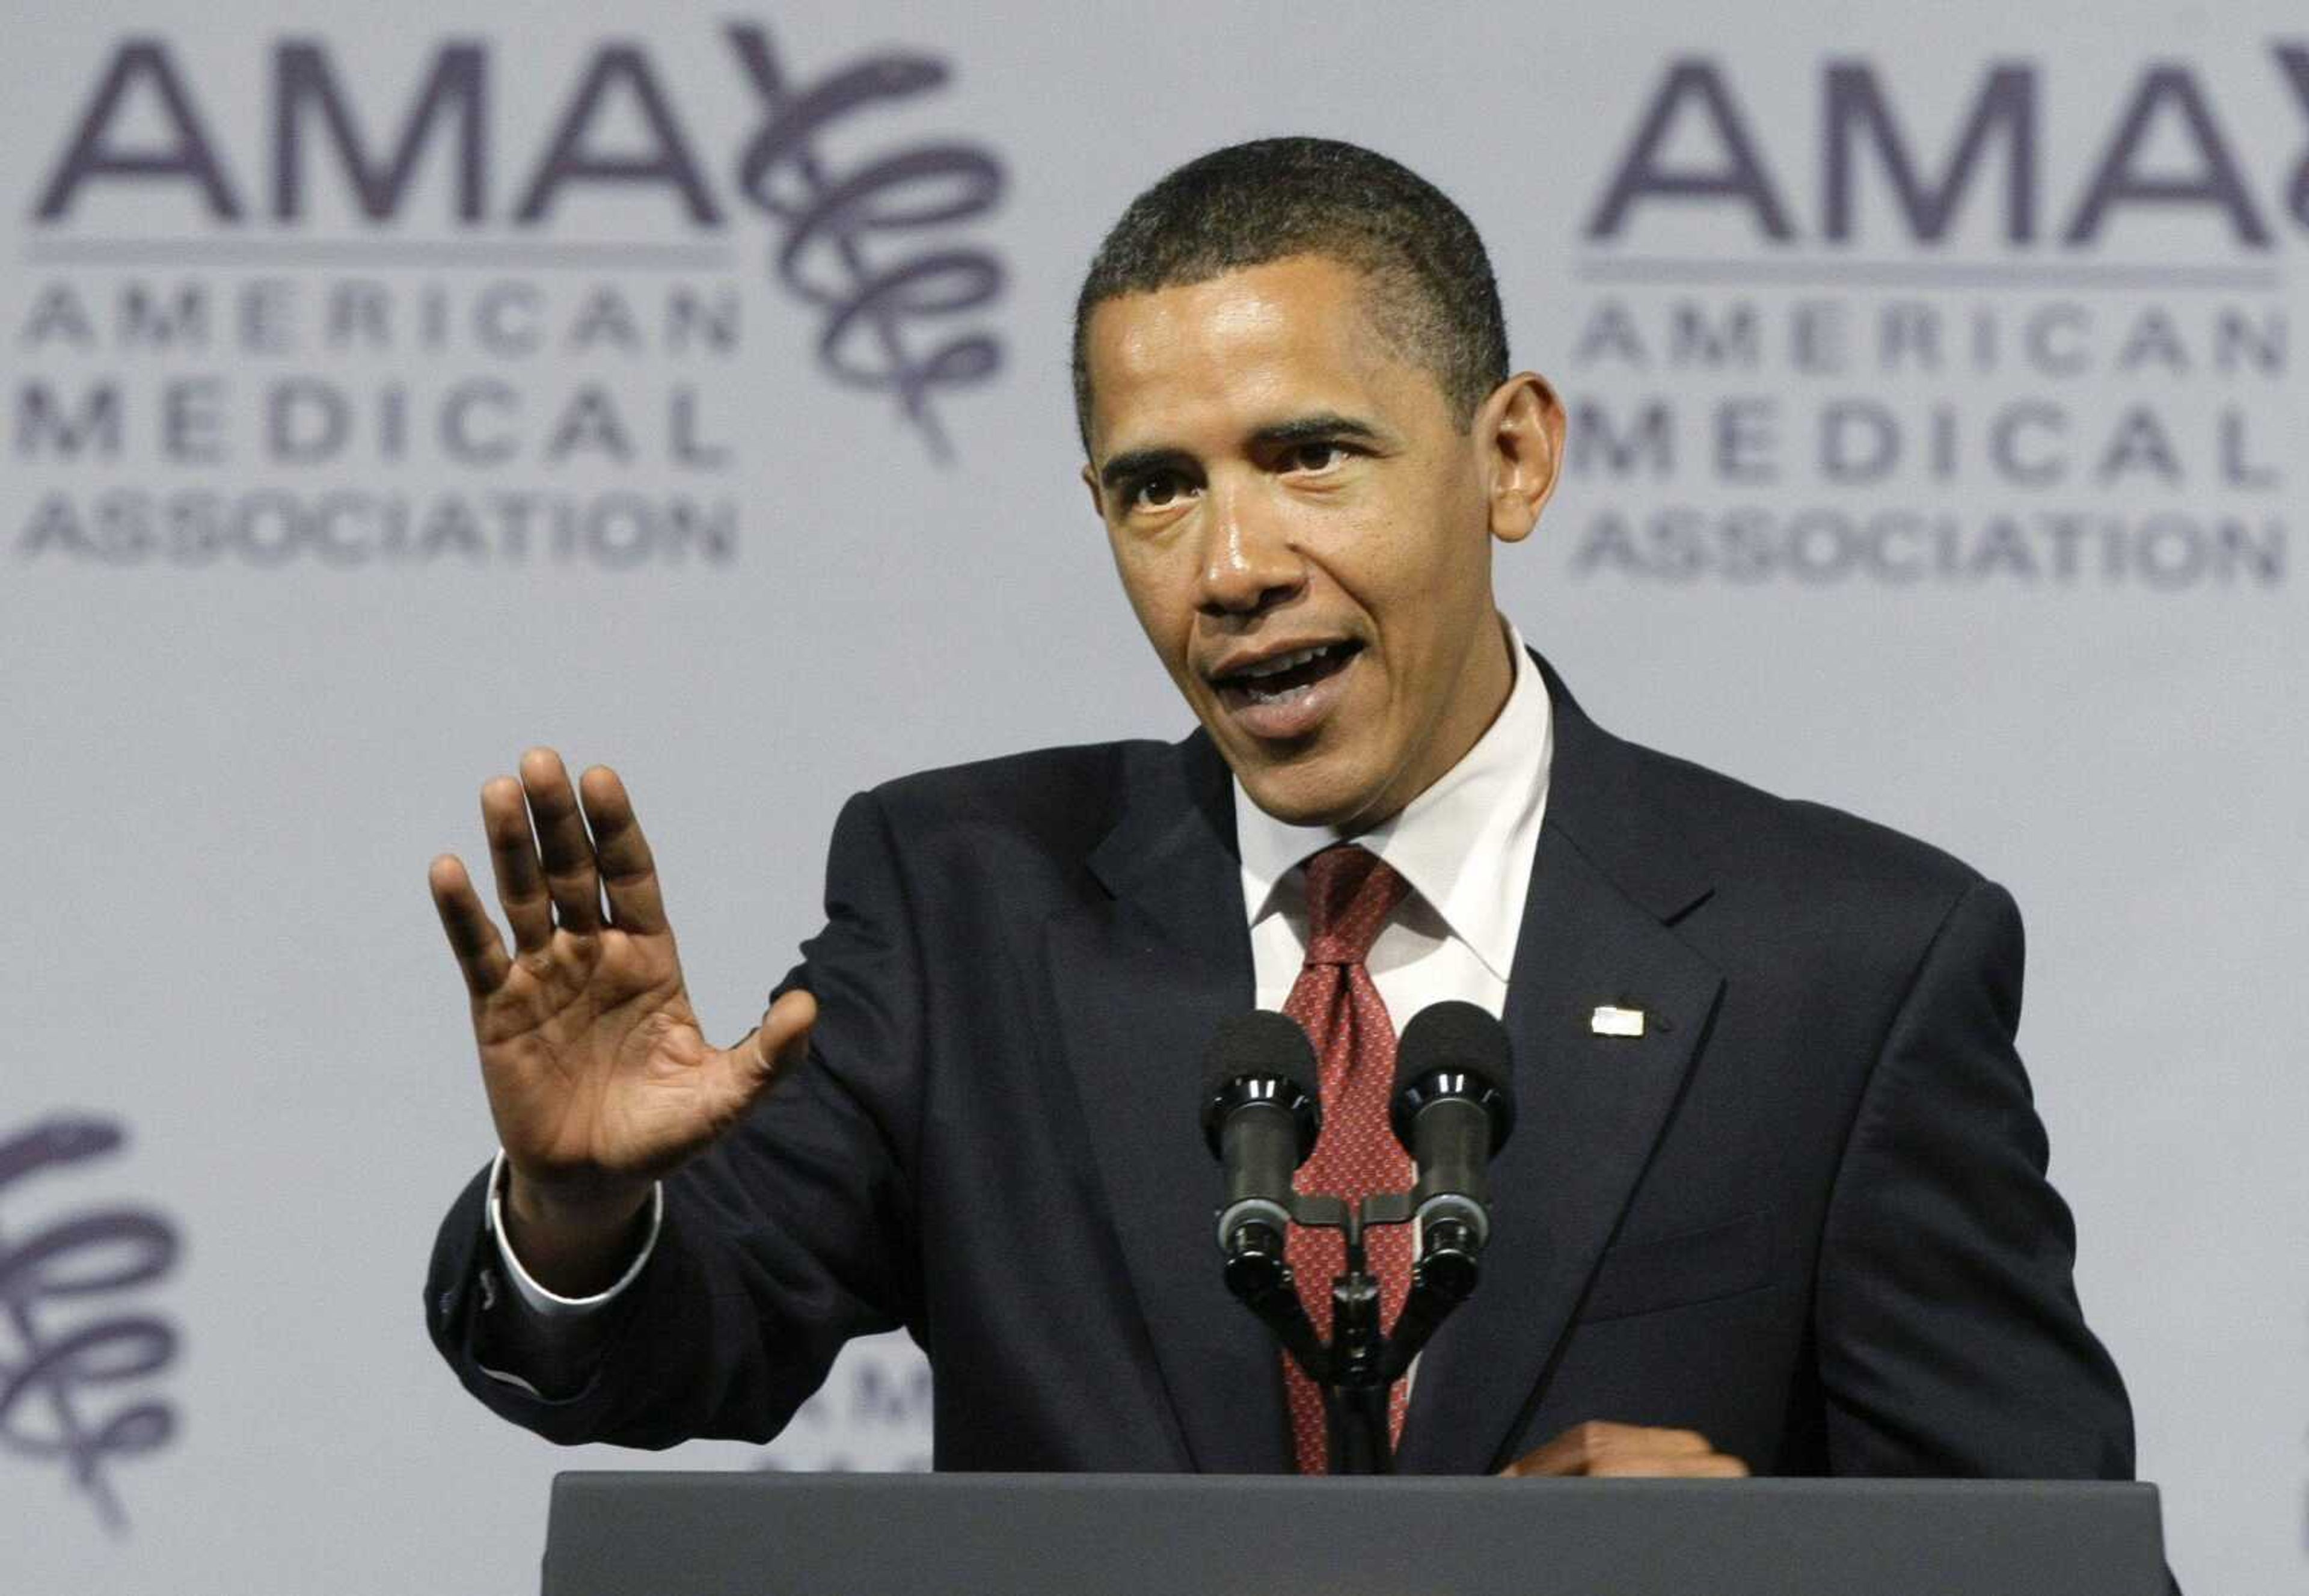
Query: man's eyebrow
{"x": 1314, "y": 428}
{"x": 1122, "y": 468}
{"x": 1308, "y": 429}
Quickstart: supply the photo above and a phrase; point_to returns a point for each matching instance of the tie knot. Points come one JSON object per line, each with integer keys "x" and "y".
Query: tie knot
{"x": 1350, "y": 893}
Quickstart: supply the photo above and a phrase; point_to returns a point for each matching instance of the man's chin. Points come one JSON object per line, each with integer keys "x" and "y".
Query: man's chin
{"x": 1306, "y": 795}
{"x": 1324, "y": 779}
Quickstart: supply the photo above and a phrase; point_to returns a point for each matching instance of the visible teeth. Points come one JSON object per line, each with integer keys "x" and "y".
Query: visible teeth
{"x": 1286, "y": 662}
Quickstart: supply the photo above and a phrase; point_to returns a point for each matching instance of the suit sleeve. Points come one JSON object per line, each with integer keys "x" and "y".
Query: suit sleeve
{"x": 786, "y": 1238}
{"x": 1950, "y": 1339}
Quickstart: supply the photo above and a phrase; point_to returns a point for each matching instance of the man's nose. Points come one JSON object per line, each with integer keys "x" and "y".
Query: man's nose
{"x": 1248, "y": 564}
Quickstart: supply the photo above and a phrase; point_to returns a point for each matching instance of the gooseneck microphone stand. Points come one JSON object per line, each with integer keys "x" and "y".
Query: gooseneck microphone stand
{"x": 1451, "y": 1109}
{"x": 1359, "y": 1366}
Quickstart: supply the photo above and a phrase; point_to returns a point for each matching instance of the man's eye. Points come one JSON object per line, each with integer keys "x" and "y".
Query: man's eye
{"x": 1314, "y": 456}
{"x": 1158, "y": 492}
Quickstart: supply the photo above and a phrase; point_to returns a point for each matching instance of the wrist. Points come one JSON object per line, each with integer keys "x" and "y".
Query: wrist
{"x": 573, "y": 1245}
{"x": 593, "y": 1207}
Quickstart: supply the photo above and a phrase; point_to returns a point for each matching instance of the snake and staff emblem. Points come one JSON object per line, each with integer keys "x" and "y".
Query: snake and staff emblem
{"x": 846, "y": 235}
{"x": 74, "y": 1348}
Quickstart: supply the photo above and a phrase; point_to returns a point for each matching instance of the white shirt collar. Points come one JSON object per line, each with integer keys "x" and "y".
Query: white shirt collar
{"x": 1456, "y": 842}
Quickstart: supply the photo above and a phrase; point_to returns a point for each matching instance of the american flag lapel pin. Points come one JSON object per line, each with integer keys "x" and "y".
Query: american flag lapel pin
{"x": 1611, "y": 1020}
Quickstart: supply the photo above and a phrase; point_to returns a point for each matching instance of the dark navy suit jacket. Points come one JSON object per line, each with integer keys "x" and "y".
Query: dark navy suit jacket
{"x": 1805, "y": 1213}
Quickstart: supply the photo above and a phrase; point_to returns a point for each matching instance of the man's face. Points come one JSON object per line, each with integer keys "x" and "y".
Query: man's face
{"x": 1305, "y": 533}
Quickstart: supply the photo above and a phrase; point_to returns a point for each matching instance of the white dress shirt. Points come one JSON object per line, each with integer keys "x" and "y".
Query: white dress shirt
{"x": 1465, "y": 845}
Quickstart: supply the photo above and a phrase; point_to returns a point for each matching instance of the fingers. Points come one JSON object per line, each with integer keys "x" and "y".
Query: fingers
{"x": 481, "y": 952}
{"x": 783, "y": 1036}
{"x": 578, "y": 863}
{"x": 628, "y": 874}
{"x": 1601, "y": 1449}
{"x": 513, "y": 859}
{"x": 570, "y": 879}
{"x": 1713, "y": 1465}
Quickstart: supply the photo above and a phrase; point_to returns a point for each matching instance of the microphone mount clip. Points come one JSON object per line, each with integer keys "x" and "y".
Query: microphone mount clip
{"x": 1357, "y": 1366}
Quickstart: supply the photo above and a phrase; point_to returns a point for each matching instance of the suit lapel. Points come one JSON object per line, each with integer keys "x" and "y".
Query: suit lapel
{"x": 1142, "y": 980}
{"x": 1591, "y": 1107}
{"x": 1590, "y": 1111}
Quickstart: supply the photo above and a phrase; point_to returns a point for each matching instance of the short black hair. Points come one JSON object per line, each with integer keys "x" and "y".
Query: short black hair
{"x": 1250, "y": 203}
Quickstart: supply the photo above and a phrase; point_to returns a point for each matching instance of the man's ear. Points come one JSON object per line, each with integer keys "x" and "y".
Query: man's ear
{"x": 1097, "y": 504}
{"x": 1520, "y": 436}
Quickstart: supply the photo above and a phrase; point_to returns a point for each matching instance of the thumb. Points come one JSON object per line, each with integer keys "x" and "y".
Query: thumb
{"x": 779, "y": 1042}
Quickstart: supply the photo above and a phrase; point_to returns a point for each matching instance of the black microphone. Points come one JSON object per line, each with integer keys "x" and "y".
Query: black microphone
{"x": 1261, "y": 1114}
{"x": 1453, "y": 1105}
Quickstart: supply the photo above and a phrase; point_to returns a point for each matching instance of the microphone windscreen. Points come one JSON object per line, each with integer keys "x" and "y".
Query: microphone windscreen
{"x": 1458, "y": 1036}
{"x": 1261, "y": 1043}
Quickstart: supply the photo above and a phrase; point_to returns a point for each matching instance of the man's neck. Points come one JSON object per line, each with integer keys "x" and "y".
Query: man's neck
{"x": 1466, "y": 843}
{"x": 1493, "y": 674}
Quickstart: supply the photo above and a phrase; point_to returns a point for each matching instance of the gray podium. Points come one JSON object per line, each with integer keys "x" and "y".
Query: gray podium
{"x": 769, "y": 1534}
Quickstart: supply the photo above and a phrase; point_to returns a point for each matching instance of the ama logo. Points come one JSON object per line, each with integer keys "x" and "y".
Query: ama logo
{"x": 887, "y": 308}
{"x": 483, "y": 302}
{"x": 1998, "y": 141}
{"x": 2033, "y": 348}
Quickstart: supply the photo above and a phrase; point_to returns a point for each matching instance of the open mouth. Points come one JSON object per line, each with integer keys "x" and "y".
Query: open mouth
{"x": 1288, "y": 675}
{"x": 1286, "y": 678}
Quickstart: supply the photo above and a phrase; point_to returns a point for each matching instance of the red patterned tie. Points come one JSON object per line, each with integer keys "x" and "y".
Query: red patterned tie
{"x": 1350, "y": 893}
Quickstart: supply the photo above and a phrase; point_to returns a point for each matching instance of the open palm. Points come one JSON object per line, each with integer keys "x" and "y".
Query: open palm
{"x": 598, "y": 1076}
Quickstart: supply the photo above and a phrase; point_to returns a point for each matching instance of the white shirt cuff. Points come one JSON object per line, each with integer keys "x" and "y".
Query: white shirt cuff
{"x": 549, "y": 1305}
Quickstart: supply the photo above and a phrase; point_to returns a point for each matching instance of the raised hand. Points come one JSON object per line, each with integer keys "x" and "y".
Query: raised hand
{"x": 598, "y": 1076}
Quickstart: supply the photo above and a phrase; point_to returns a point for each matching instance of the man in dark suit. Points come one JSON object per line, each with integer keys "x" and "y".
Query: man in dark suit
{"x": 1777, "y": 1198}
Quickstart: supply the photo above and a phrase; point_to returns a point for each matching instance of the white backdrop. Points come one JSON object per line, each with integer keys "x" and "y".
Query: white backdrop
{"x": 1956, "y": 491}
